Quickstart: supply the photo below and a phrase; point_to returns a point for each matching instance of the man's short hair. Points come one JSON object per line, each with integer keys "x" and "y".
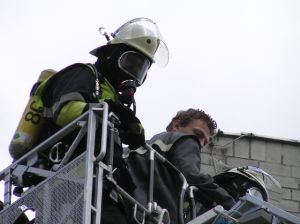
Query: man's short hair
{"x": 184, "y": 117}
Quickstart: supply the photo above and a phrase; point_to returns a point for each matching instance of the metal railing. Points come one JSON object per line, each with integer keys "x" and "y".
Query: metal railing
{"x": 72, "y": 188}
{"x": 95, "y": 167}
{"x": 28, "y": 164}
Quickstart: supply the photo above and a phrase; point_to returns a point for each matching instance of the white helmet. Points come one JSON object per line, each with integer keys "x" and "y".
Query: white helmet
{"x": 258, "y": 181}
{"x": 142, "y": 34}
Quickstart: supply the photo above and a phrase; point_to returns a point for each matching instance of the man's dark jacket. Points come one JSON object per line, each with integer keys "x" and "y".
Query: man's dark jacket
{"x": 183, "y": 151}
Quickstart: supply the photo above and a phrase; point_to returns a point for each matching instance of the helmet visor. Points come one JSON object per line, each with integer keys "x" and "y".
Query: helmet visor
{"x": 257, "y": 192}
{"x": 135, "y": 65}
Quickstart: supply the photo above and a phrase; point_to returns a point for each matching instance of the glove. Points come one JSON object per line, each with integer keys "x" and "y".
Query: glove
{"x": 133, "y": 135}
{"x": 131, "y": 130}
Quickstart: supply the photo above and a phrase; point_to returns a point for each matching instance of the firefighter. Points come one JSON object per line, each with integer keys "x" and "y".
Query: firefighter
{"x": 57, "y": 98}
{"x": 121, "y": 67}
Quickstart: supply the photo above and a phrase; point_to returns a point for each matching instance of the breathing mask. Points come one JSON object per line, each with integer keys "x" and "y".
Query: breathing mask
{"x": 135, "y": 65}
{"x": 126, "y": 91}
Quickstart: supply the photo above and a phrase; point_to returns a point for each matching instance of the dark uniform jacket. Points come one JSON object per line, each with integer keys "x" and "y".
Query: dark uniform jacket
{"x": 183, "y": 151}
{"x": 67, "y": 94}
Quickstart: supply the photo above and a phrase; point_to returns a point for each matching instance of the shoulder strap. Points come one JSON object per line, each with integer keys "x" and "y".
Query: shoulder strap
{"x": 99, "y": 78}
{"x": 39, "y": 86}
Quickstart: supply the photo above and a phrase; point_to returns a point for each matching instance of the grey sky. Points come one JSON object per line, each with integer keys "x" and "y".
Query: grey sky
{"x": 238, "y": 60}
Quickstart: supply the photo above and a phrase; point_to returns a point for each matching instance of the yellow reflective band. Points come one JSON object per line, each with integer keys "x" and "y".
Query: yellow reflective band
{"x": 70, "y": 112}
{"x": 108, "y": 92}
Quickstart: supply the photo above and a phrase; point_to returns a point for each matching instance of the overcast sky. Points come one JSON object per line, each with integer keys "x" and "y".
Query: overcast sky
{"x": 238, "y": 60}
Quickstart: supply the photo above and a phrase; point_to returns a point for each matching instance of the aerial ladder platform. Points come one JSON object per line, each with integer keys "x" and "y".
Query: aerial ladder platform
{"x": 70, "y": 191}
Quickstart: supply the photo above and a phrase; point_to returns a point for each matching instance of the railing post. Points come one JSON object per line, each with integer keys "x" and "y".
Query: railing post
{"x": 93, "y": 186}
{"x": 89, "y": 166}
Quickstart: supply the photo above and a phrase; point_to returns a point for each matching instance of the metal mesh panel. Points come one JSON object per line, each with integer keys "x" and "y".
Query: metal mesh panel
{"x": 58, "y": 199}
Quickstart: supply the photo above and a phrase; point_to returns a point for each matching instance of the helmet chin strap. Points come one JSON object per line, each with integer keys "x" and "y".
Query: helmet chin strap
{"x": 126, "y": 91}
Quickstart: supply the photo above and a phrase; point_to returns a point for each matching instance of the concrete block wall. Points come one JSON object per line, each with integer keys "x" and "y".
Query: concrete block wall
{"x": 278, "y": 157}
